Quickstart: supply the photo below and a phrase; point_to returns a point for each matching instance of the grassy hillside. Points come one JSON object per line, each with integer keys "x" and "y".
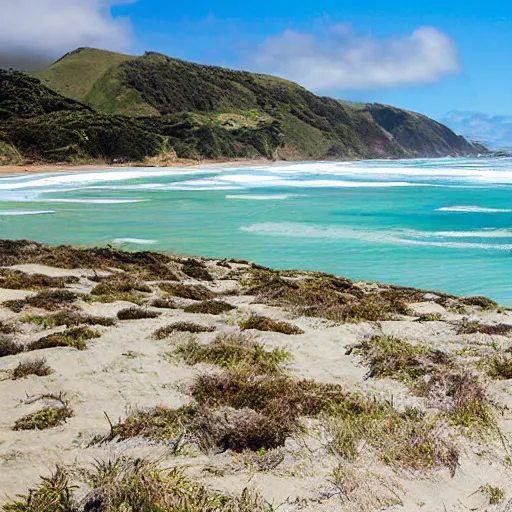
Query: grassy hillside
{"x": 171, "y": 106}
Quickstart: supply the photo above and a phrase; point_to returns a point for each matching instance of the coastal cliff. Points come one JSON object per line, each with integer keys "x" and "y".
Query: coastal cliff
{"x": 93, "y": 104}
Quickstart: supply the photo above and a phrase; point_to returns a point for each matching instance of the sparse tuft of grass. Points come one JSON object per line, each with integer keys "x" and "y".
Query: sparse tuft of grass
{"x": 37, "y": 367}
{"x": 8, "y": 347}
{"x": 429, "y": 317}
{"x": 73, "y": 338}
{"x": 17, "y": 280}
{"x": 263, "y": 323}
{"x": 15, "y": 305}
{"x": 364, "y": 490}
{"x": 211, "y": 307}
{"x": 165, "y": 332}
{"x": 140, "y": 485}
{"x": 52, "y": 300}
{"x": 7, "y": 328}
{"x": 46, "y": 418}
{"x": 67, "y": 318}
{"x": 136, "y": 314}
{"x": 54, "y": 494}
{"x": 406, "y": 439}
{"x": 500, "y": 367}
{"x": 391, "y": 357}
{"x": 495, "y": 495}
{"x": 163, "y": 303}
{"x": 49, "y": 417}
{"x": 432, "y": 374}
{"x": 194, "y": 292}
{"x": 230, "y": 350}
{"x": 119, "y": 283}
{"x": 196, "y": 269}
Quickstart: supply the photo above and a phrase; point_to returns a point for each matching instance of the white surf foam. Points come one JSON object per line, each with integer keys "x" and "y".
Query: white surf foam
{"x": 138, "y": 241}
{"x": 14, "y": 213}
{"x": 92, "y": 201}
{"x": 262, "y": 197}
{"x": 77, "y": 178}
{"x": 484, "y": 233}
{"x": 472, "y": 209}
{"x": 299, "y": 230}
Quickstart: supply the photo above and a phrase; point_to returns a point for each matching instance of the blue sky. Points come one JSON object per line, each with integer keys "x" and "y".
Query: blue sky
{"x": 434, "y": 56}
{"x": 226, "y": 33}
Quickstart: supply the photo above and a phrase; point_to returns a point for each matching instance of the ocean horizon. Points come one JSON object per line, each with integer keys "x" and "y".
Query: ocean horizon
{"x": 439, "y": 224}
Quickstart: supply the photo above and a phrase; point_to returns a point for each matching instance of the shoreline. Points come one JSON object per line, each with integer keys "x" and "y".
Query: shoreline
{"x": 12, "y": 170}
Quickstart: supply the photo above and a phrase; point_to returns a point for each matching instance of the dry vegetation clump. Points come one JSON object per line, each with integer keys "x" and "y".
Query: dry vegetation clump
{"x": 73, "y": 338}
{"x": 432, "y": 374}
{"x": 15, "y": 305}
{"x": 135, "y": 313}
{"x": 481, "y": 302}
{"x": 210, "y": 307}
{"x": 163, "y": 303}
{"x": 263, "y": 323}
{"x": 196, "y": 269}
{"x": 38, "y": 367}
{"x": 326, "y": 296}
{"x": 165, "y": 332}
{"x": 117, "y": 284}
{"x": 149, "y": 265}
{"x": 235, "y": 350}
{"x": 8, "y": 347}
{"x": 459, "y": 393}
{"x": 429, "y": 317}
{"x": 500, "y": 367}
{"x": 7, "y": 328}
{"x": 364, "y": 490}
{"x": 68, "y": 318}
{"x": 494, "y": 495}
{"x": 408, "y": 439}
{"x": 391, "y": 357}
{"x": 17, "y": 280}
{"x": 467, "y": 327}
{"x": 52, "y": 300}
{"x": 48, "y": 417}
{"x": 54, "y": 494}
{"x": 130, "y": 485}
{"x": 194, "y": 292}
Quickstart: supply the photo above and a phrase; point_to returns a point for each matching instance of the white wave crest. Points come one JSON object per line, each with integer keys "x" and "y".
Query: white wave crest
{"x": 92, "y": 201}
{"x": 472, "y": 209}
{"x": 262, "y": 197}
{"x": 138, "y": 241}
{"x": 14, "y": 213}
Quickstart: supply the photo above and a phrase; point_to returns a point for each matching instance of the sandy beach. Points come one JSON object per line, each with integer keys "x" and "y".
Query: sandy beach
{"x": 129, "y": 365}
{"x": 8, "y": 170}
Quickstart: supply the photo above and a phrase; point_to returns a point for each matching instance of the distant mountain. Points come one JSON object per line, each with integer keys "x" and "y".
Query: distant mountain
{"x": 493, "y": 131}
{"x": 161, "y": 105}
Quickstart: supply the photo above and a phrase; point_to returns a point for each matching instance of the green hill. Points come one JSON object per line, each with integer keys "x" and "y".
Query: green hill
{"x": 207, "y": 111}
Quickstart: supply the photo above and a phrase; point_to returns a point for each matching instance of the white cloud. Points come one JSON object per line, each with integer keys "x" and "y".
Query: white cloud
{"x": 340, "y": 59}
{"x": 32, "y": 30}
{"x": 495, "y": 131}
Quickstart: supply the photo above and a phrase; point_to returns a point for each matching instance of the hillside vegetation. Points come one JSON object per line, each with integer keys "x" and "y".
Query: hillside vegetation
{"x": 93, "y": 104}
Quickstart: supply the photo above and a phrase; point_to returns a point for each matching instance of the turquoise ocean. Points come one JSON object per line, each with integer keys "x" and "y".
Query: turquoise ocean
{"x": 443, "y": 224}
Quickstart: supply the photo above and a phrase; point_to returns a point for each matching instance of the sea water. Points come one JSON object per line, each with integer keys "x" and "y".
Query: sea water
{"x": 443, "y": 224}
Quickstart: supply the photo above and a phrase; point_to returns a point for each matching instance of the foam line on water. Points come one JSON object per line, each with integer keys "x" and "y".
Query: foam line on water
{"x": 92, "y": 201}
{"x": 472, "y": 209}
{"x": 15, "y": 213}
{"x": 299, "y": 230}
{"x": 262, "y": 197}
{"x": 77, "y": 178}
{"x": 138, "y": 241}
